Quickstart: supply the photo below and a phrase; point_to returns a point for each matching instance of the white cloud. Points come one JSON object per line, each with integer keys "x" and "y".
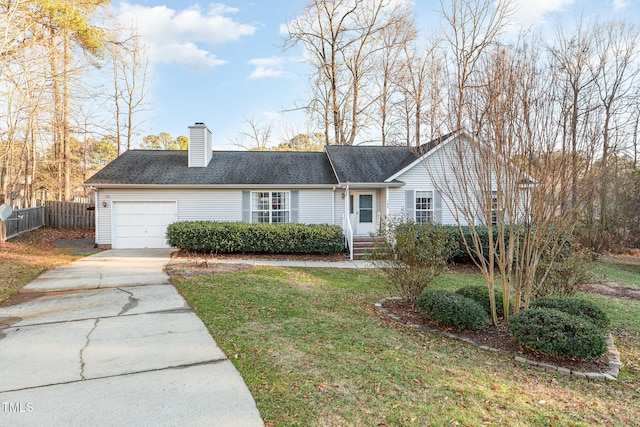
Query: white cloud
{"x": 535, "y": 12}
{"x": 268, "y": 68}
{"x": 187, "y": 54}
{"x": 178, "y": 36}
{"x": 618, "y": 5}
{"x": 283, "y": 30}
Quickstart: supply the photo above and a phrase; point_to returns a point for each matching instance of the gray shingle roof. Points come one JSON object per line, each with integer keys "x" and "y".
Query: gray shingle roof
{"x": 155, "y": 167}
{"x": 355, "y": 164}
{"x": 374, "y": 164}
{"x": 364, "y": 164}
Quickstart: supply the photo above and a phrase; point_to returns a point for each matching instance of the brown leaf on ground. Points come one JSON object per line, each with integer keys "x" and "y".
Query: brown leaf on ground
{"x": 23, "y": 258}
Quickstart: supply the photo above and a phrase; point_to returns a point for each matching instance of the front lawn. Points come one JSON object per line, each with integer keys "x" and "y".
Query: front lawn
{"x": 622, "y": 271}
{"x": 315, "y": 352}
{"x": 23, "y": 258}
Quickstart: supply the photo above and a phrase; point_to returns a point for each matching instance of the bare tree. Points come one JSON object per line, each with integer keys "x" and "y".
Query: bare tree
{"x": 395, "y": 39}
{"x": 508, "y": 174}
{"x": 570, "y": 56}
{"x": 67, "y": 26}
{"x": 471, "y": 27}
{"x": 129, "y": 61}
{"x": 342, "y": 39}
{"x": 257, "y": 137}
{"x": 421, "y": 85}
{"x": 479, "y": 169}
{"x": 615, "y": 72}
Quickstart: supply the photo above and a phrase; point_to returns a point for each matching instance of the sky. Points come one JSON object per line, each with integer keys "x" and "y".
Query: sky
{"x": 223, "y": 63}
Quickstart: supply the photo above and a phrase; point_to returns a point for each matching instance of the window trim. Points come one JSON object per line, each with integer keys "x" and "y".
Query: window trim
{"x": 432, "y": 210}
{"x": 494, "y": 211}
{"x": 271, "y": 210}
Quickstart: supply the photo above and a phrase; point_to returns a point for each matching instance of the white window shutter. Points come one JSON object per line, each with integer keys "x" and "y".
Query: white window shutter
{"x": 246, "y": 206}
{"x": 295, "y": 202}
{"x": 437, "y": 207}
{"x": 409, "y": 204}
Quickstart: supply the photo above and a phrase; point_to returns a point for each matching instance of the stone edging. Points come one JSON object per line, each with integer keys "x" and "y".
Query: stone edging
{"x": 613, "y": 354}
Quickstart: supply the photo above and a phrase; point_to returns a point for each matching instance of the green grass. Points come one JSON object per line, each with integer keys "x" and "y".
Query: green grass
{"x": 315, "y": 352}
{"x": 624, "y": 274}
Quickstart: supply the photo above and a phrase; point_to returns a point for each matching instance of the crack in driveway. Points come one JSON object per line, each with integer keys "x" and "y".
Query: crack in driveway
{"x": 133, "y": 302}
{"x": 125, "y": 374}
{"x": 82, "y": 363}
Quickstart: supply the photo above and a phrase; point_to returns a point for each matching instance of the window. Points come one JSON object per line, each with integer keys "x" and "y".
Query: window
{"x": 270, "y": 206}
{"x": 494, "y": 208}
{"x": 424, "y": 207}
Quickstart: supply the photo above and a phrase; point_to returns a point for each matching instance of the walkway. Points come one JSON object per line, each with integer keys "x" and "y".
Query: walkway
{"x": 108, "y": 341}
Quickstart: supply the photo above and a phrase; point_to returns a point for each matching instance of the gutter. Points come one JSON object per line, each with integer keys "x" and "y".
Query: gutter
{"x": 210, "y": 186}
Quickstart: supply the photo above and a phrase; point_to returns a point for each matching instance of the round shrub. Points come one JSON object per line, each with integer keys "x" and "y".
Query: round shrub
{"x": 576, "y": 307}
{"x": 480, "y": 294}
{"x": 451, "y": 309}
{"x": 556, "y": 333}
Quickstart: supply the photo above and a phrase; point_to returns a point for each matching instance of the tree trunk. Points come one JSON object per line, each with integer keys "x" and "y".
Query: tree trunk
{"x": 57, "y": 110}
{"x": 68, "y": 196}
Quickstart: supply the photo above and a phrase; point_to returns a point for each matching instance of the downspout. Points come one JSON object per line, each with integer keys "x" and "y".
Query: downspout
{"x": 333, "y": 205}
{"x": 347, "y": 222}
{"x": 96, "y": 210}
{"x": 386, "y": 206}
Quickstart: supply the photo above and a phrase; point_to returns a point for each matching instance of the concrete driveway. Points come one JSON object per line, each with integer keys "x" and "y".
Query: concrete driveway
{"x": 108, "y": 341}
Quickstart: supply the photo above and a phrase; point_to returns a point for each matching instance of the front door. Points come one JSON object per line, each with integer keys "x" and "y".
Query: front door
{"x": 365, "y": 213}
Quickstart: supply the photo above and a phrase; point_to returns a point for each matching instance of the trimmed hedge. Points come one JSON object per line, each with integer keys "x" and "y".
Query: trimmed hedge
{"x": 576, "y": 307}
{"x": 237, "y": 237}
{"x": 480, "y": 294}
{"x": 451, "y": 309}
{"x": 459, "y": 252}
{"x": 556, "y": 333}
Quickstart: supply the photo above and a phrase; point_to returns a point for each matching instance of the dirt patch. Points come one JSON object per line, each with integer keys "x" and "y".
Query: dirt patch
{"x": 196, "y": 267}
{"x": 630, "y": 258}
{"x": 611, "y": 290}
{"x": 21, "y": 297}
{"x": 185, "y": 263}
{"x": 464, "y": 268}
{"x": 495, "y": 337}
{"x": 79, "y": 246}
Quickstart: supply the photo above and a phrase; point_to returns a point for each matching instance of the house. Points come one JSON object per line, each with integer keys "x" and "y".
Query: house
{"x": 355, "y": 187}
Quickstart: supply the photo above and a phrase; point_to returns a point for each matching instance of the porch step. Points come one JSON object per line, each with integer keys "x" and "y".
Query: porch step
{"x": 363, "y": 244}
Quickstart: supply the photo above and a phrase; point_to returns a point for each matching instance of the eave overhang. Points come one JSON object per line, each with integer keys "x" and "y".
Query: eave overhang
{"x": 207, "y": 186}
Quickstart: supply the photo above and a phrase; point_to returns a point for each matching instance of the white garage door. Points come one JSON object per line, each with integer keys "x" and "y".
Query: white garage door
{"x": 142, "y": 224}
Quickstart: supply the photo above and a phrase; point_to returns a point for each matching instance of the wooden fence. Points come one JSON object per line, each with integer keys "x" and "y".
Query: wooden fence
{"x": 70, "y": 215}
{"x": 21, "y": 221}
{"x": 52, "y": 215}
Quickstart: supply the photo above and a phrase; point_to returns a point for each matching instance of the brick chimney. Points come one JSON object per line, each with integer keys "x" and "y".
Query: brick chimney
{"x": 200, "y": 146}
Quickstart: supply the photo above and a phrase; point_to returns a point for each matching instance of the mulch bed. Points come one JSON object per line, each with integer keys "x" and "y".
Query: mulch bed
{"x": 495, "y": 337}
{"x": 268, "y": 257}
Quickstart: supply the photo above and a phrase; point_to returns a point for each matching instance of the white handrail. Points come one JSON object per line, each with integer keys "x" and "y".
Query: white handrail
{"x": 349, "y": 234}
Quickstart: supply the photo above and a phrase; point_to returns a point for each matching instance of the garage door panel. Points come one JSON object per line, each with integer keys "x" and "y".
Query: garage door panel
{"x": 157, "y": 230}
{"x": 142, "y": 224}
{"x": 154, "y": 220}
{"x": 130, "y": 232}
{"x": 136, "y": 220}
